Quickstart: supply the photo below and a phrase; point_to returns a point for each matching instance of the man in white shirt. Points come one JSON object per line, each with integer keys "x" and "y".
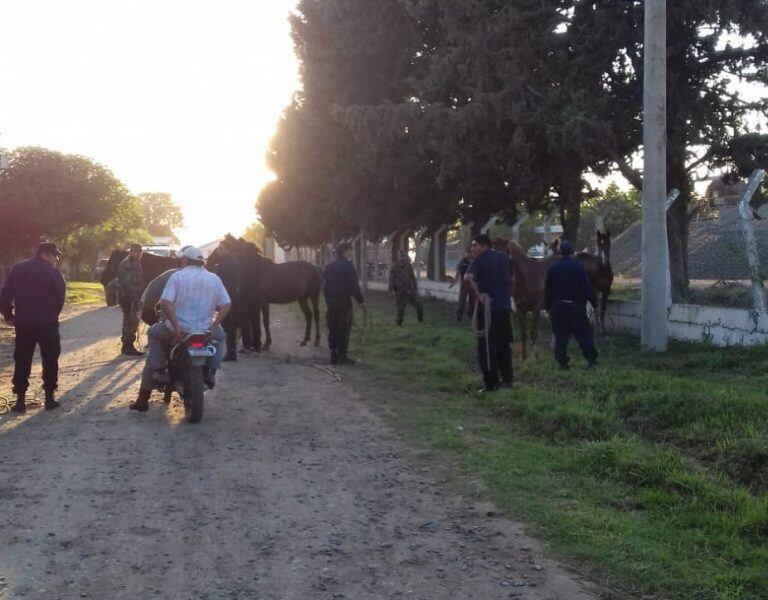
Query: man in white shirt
{"x": 193, "y": 301}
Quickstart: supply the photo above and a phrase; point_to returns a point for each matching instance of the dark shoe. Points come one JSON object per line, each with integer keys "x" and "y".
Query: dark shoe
{"x": 334, "y": 358}
{"x": 130, "y": 350}
{"x": 487, "y": 390}
{"x": 345, "y": 360}
{"x": 21, "y": 404}
{"x": 230, "y": 356}
{"x": 142, "y": 402}
{"x": 209, "y": 377}
{"x": 399, "y": 322}
{"x": 50, "y": 401}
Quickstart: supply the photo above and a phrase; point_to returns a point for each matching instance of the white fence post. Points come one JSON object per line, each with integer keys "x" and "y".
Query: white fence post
{"x": 753, "y": 259}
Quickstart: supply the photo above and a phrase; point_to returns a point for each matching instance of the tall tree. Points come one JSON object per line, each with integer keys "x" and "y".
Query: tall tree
{"x": 161, "y": 214}
{"x": 47, "y": 193}
{"x": 713, "y": 48}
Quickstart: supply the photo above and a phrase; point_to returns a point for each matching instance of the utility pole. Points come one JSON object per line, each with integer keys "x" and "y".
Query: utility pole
{"x": 654, "y": 331}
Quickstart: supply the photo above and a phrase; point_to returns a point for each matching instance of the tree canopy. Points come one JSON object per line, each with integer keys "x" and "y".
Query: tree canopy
{"x": 44, "y": 193}
{"x": 416, "y": 113}
{"x": 160, "y": 214}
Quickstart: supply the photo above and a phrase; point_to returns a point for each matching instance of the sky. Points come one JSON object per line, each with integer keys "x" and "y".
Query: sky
{"x": 177, "y": 96}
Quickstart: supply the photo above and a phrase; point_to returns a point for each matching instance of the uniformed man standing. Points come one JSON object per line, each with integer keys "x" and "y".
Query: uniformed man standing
{"x": 130, "y": 286}
{"x": 488, "y": 277}
{"x": 402, "y": 284}
{"x": 341, "y": 285}
{"x": 566, "y": 295}
{"x": 31, "y": 299}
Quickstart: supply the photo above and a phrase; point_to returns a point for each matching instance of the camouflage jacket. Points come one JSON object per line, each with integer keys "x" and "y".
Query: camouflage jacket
{"x": 130, "y": 281}
{"x": 402, "y": 278}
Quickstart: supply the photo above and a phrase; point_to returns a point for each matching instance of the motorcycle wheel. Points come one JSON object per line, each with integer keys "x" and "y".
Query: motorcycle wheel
{"x": 193, "y": 401}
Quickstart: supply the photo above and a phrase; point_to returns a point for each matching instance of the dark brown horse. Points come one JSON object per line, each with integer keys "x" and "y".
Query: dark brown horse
{"x": 600, "y": 272}
{"x": 264, "y": 282}
{"x": 152, "y": 265}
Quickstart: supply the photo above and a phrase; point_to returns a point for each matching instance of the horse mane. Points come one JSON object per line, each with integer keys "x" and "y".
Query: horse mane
{"x": 248, "y": 247}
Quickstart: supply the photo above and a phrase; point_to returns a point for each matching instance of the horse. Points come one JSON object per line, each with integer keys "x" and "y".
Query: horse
{"x": 600, "y": 272}
{"x": 264, "y": 282}
{"x": 152, "y": 266}
{"x": 526, "y": 287}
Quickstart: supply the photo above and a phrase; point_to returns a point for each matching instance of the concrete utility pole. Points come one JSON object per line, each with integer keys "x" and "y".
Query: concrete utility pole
{"x": 654, "y": 331}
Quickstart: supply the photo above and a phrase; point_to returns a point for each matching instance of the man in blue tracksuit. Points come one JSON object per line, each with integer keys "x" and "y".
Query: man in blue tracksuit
{"x": 488, "y": 277}
{"x": 566, "y": 295}
{"x": 31, "y": 299}
{"x": 341, "y": 285}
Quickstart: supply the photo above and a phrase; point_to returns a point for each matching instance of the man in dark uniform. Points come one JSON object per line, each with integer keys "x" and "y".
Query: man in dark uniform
{"x": 566, "y": 295}
{"x": 403, "y": 286}
{"x": 229, "y": 272}
{"x": 341, "y": 285}
{"x": 488, "y": 277}
{"x": 461, "y": 271}
{"x": 130, "y": 286}
{"x": 31, "y": 299}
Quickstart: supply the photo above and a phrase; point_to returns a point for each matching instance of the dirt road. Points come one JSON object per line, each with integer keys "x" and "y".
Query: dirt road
{"x": 291, "y": 487}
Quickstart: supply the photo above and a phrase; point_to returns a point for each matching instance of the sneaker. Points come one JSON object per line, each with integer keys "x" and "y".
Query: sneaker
{"x": 131, "y": 351}
{"x": 345, "y": 360}
{"x": 209, "y": 377}
{"x": 230, "y": 356}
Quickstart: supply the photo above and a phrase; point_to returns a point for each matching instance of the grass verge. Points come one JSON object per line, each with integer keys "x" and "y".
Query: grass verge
{"x": 650, "y": 472}
{"x": 84, "y": 293}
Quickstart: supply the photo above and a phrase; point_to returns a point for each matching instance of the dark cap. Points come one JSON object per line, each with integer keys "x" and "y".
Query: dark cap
{"x": 342, "y": 247}
{"x": 566, "y": 248}
{"x": 48, "y": 248}
{"x": 135, "y": 246}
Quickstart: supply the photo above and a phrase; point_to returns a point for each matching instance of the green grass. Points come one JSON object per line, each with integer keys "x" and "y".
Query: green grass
{"x": 651, "y": 472}
{"x": 84, "y": 293}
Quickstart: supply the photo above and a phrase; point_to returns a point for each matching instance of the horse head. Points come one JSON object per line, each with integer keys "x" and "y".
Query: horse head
{"x": 110, "y": 271}
{"x": 500, "y": 244}
{"x": 604, "y": 247}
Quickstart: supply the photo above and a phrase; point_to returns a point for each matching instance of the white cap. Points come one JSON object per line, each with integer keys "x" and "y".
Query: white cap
{"x": 192, "y": 253}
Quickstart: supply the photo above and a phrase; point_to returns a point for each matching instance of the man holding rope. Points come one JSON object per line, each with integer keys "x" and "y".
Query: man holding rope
{"x": 488, "y": 278}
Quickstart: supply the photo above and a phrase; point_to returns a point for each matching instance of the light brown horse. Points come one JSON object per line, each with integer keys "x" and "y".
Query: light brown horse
{"x": 526, "y": 287}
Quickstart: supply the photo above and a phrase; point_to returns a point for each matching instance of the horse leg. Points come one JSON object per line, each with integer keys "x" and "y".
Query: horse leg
{"x": 603, "y": 308}
{"x": 267, "y": 332}
{"x": 304, "y": 305}
{"x": 535, "y": 316}
{"x": 520, "y": 317}
{"x": 316, "y": 312}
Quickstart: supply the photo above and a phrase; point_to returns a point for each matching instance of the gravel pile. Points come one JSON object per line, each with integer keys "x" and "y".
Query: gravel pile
{"x": 716, "y": 249}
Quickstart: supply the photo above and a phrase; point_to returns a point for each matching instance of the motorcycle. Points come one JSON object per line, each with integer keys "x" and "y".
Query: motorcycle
{"x": 186, "y": 362}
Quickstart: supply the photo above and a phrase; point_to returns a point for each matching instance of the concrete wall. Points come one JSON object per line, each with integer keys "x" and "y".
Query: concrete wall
{"x": 692, "y": 323}
{"x": 687, "y": 322}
